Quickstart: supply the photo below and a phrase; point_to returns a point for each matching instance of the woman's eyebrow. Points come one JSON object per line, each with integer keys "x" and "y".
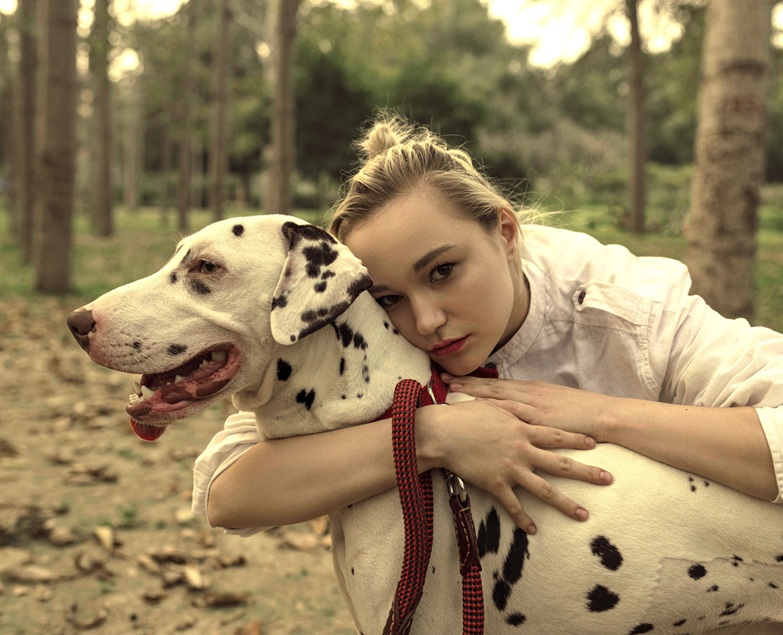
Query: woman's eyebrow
{"x": 430, "y": 256}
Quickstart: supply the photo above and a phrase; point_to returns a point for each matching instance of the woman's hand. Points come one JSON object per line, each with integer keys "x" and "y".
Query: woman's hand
{"x": 542, "y": 404}
{"x": 490, "y": 447}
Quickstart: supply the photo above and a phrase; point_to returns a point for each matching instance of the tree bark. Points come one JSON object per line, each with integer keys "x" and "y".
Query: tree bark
{"x": 28, "y": 63}
{"x": 730, "y": 154}
{"x": 57, "y": 158}
{"x": 185, "y": 158}
{"x": 218, "y": 159}
{"x": 102, "y": 216}
{"x": 277, "y": 193}
{"x": 637, "y": 137}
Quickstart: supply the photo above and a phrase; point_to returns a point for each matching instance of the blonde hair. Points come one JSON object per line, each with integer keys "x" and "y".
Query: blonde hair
{"x": 398, "y": 157}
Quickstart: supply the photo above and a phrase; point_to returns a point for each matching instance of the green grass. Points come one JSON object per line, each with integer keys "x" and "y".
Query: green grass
{"x": 145, "y": 239}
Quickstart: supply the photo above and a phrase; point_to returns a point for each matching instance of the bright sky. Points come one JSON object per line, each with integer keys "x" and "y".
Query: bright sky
{"x": 554, "y": 35}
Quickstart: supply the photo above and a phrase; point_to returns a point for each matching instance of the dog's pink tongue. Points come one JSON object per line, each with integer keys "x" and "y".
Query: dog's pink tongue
{"x": 146, "y": 432}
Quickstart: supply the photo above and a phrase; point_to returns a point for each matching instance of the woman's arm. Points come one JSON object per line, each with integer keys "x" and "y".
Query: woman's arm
{"x": 291, "y": 480}
{"x": 727, "y": 445}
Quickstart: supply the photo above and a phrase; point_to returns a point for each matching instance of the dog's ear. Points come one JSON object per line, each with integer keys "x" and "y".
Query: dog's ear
{"x": 319, "y": 281}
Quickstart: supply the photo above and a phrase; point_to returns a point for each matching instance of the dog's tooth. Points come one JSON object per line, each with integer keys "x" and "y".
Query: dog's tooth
{"x": 146, "y": 393}
{"x": 137, "y": 387}
{"x": 132, "y": 399}
{"x": 177, "y": 378}
{"x": 219, "y": 356}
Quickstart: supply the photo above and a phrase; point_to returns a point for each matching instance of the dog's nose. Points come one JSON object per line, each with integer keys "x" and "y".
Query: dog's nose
{"x": 81, "y": 324}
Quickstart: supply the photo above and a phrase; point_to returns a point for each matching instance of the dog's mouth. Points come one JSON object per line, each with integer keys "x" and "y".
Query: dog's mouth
{"x": 161, "y": 398}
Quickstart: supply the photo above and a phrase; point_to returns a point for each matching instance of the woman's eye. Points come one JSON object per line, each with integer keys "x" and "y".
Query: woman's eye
{"x": 441, "y": 272}
{"x": 387, "y": 301}
{"x": 206, "y": 266}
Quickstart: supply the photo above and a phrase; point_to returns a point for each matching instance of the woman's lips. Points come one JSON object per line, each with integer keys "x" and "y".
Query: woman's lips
{"x": 448, "y": 347}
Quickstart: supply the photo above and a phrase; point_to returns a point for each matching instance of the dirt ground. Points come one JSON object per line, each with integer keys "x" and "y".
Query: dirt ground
{"x": 96, "y": 534}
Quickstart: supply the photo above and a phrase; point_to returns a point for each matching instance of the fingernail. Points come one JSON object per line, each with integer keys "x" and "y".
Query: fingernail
{"x": 589, "y": 442}
{"x": 454, "y": 386}
{"x": 581, "y": 514}
{"x": 446, "y": 377}
{"x": 605, "y": 477}
{"x": 531, "y": 529}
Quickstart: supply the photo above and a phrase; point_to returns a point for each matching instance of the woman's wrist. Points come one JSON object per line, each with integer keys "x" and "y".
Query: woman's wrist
{"x": 430, "y": 446}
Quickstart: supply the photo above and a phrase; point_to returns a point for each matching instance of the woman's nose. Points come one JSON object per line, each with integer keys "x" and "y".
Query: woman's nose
{"x": 428, "y": 316}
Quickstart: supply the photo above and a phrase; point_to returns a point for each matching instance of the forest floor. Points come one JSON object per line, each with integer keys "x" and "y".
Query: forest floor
{"x": 96, "y": 533}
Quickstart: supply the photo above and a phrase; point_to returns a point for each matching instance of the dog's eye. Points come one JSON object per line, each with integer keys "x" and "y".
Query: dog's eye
{"x": 207, "y": 266}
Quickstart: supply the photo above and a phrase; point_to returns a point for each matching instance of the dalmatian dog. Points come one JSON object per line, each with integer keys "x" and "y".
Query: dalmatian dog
{"x": 272, "y": 311}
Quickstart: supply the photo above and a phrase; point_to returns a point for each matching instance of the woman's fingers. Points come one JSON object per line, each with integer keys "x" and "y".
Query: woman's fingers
{"x": 515, "y": 510}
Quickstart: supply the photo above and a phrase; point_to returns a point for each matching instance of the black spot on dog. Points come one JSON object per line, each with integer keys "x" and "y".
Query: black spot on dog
{"x": 279, "y": 302}
{"x": 731, "y": 609}
{"x": 319, "y": 256}
{"x": 199, "y": 287}
{"x": 328, "y": 274}
{"x": 283, "y": 370}
{"x": 344, "y": 334}
{"x": 320, "y": 287}
{"x": 352, "y": 571}
{"x": 610, "y": 555}
{"x": 516, "y": 619}
{"x": 315, "y": 316}
{"x": 641, "y": 628}
{"x": 357, "y": 286}
{"x": 501, "y": 593}
{"x": 176, "y": 349}
{"x": 136, "y": 345}
{"x": 517, "y": 554}
{"x": 173, "y": 278}
{"x": 488, "y": 538}
{"x": 772, "y": 585}
{"x": 359, "y": 341}
{"x": 306, "y": 398}
{"x": 601, "y": 599}
{"x": 713, "y": 589}
{"x": 697, "y": 571}
{"x": 342, "y": 365}
{"x": 679, "y": 622}
{"x": 238, "y": 230}
{"x": 736, "y": 560}
{"x": 779, "y": 558}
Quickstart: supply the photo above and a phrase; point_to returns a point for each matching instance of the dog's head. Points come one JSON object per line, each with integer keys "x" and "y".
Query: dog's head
{"x": 205, "y": 325}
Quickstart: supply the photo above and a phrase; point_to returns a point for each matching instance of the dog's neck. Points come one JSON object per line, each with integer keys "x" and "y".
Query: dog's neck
{"x": 340, "y": 375}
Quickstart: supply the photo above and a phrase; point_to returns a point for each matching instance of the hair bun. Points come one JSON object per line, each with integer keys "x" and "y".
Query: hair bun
{"x": 384, "y": 134}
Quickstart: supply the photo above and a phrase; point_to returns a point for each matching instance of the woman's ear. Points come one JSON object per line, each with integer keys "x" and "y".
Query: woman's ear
{"x": 509, "y": 231}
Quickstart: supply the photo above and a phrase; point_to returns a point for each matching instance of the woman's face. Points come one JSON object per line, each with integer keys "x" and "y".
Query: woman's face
{"x": 448, "y": 286}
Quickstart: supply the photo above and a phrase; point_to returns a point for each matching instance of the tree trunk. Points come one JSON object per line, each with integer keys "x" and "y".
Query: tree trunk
{"x": 131, "y": 145}
{"x": 185, "y": 158}
{"x": 57, "y": 158}
{"x": 102, "y": 220}
{"x": 730, "y": 154}
{"x": 277, "y": 193}
{"x": 28, "y": 63}
{"x": 638, "y": 141}
{"x": 218, "y": 155}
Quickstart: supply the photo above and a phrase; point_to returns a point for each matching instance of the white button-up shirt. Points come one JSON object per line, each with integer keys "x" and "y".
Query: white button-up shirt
{"x": 604, "y": 320}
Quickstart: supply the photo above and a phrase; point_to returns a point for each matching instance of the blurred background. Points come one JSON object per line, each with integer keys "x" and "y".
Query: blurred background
{"x": 124, "y": 124}
{"x": 113, "y": 110}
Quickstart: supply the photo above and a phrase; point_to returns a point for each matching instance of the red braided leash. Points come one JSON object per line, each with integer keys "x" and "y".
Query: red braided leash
{"x": 417, "y": 510}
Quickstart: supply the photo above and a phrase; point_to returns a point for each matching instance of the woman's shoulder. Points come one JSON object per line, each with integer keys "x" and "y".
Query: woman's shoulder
{"x": 576, "y": 258}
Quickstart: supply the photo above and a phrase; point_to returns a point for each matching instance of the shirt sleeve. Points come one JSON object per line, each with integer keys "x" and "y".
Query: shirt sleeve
{"x": 238, "y": 435}
{"x": 718, "y": 362}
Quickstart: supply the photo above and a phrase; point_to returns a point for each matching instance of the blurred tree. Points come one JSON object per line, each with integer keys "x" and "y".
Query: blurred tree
{"x": 55, "y": 176}
{"x": 102, "y": 154}
{"x": 222, "y": 70}
{"x": 27, "y": 12}
{"x": 636, "y": 123}
{"x": 186, "y": 97}
{"x": 730, "y": 154}
{"x": 277, "y": 193}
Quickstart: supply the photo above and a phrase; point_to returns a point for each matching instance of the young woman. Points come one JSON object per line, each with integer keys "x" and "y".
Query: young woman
{"x": 591, "y": 344}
